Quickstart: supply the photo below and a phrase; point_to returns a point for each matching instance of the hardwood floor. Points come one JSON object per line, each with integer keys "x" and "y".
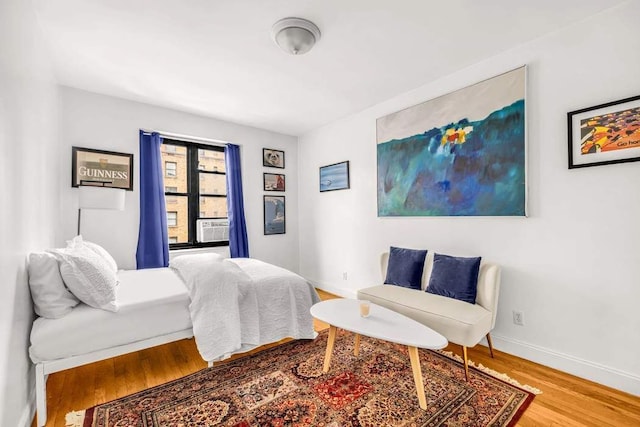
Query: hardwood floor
{"x": 566, "y": 400}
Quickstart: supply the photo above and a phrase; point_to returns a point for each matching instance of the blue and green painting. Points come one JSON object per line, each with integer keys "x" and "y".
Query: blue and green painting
{"x": 462, "y": 168}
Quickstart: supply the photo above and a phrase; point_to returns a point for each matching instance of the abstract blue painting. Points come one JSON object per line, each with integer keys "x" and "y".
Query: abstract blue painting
{"x": 462, "y": 154}
{"x": 334, "y": 177}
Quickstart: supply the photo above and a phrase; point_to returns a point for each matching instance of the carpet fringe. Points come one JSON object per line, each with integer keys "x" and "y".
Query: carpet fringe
{"x": 74, "y": 419}
{"x": 499, "y": 375}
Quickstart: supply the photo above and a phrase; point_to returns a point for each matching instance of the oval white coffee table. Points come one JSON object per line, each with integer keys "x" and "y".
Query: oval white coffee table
{"x": 383, "y": 324}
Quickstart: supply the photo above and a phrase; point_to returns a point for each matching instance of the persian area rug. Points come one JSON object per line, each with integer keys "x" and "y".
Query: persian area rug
{"x": 285, "y": 386}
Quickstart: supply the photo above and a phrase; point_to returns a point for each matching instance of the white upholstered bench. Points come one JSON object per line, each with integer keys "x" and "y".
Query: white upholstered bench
{"x": 460, "y": 322}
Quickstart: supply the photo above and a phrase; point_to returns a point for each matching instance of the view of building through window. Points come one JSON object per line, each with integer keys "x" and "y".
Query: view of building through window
{"x": 170, "y": 169}
{"x": 172, "y": 219}
{"x": 194, "y": 180}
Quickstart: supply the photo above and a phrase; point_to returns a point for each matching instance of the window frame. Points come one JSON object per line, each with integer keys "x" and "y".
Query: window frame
{"x": 193, "y": 193}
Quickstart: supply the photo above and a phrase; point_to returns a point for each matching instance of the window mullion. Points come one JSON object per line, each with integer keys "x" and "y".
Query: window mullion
{"x": 194, "y": 196}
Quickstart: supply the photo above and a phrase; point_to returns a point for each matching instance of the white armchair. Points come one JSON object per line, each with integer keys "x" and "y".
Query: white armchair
{"x": 460, "y": 322}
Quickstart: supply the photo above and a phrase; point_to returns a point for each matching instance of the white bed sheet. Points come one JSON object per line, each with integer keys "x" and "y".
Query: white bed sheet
{"x": 152, "y": 302}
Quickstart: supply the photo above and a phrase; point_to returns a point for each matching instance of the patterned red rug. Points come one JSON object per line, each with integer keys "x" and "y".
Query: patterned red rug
{"x": 285, "y": 386}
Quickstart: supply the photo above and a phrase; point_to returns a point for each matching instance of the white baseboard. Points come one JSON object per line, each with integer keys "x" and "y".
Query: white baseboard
{"x": 336, "y": 290}
{"x": 586, "y": 369}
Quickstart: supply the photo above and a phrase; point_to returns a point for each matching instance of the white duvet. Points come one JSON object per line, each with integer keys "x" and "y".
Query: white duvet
{"x": 242, "y": 303}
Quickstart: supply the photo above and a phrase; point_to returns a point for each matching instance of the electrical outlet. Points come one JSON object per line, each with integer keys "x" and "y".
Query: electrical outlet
{"x": 518, "y": 317}
{"x": 344, "y": 276}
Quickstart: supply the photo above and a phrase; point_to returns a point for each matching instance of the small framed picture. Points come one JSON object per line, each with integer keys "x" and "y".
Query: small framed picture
{"x": 272, "y": 158}
{"x": 273, "y": 181}
{"x": 334, "y": 177}
{"x": 605, "y": 134}
{"x": 274, "y": 215}
{"x": 101, "y": 168}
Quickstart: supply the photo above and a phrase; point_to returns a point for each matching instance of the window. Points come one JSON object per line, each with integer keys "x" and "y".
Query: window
{"x": 171, "y": 169}
{"x": 172, "y": 219}
{"x": 195, "y": 188}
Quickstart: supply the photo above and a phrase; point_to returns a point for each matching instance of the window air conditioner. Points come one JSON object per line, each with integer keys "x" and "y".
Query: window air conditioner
{"x": 212, "y": 230}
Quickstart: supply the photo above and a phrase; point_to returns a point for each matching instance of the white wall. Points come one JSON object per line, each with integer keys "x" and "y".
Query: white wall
{"x": 572, "y": 267}
{"x": 29, "y": 209}
{"x": 107, "y": 123}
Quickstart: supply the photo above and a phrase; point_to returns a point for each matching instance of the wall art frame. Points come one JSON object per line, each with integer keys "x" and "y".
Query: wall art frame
{"x": 275, "y": 220}
{"x": 460, "y": 154}
{"x": 272, "y": 158}
{"x": 604, "y": 134}
{"x": 273, "y": 181}
{"x": 101, "y": 168}
{"x": 334, "y": 177}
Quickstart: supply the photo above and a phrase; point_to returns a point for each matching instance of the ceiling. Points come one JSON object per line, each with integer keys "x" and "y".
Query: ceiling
{"x": 216, "y": 57}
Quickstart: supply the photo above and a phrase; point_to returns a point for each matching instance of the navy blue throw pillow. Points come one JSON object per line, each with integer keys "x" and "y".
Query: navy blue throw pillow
{"x": 455, "y": 277}
{"x": 405, "y": 267}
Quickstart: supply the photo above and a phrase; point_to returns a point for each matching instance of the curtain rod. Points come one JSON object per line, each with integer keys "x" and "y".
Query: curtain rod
{"x": 188, "y": 138}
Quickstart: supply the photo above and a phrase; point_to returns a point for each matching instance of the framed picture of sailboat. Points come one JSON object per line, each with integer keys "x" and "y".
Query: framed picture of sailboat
{"x": 334, "y": 177}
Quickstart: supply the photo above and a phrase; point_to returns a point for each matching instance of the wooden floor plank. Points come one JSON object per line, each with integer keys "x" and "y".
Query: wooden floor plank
{"x": 566, "y": 401}
{"x": 104, "y": 391}
{"x": 134, "y": 376}
{"x": 158, "y": 370}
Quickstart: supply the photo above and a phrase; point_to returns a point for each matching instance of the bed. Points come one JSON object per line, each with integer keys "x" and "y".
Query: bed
{"x": 156, "y": 307}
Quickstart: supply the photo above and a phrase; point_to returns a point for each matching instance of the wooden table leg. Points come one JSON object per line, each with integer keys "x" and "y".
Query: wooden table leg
{"x": 417, "y": 376}
{"x": 356, "y": 345}
{"x": 330, "y": 342}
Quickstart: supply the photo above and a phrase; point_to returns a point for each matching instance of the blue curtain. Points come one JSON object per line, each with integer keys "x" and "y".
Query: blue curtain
{"x": 153, "y": 241}
{"x": 238, "y": 242}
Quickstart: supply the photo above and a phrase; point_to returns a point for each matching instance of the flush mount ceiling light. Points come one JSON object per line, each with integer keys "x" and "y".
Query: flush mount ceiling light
{"x": 295, "y": 35}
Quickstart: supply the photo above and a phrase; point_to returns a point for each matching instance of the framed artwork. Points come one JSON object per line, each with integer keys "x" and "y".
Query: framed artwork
{"x": 272, "y": 158}
{"x": 605, "y": 134}
{"x": 273, "y": 181}
{"x": 274, "y": 215}
{"x": 101, "y": 168}
{"x": 334, "y": 177}
{"x": 462, "y": 154}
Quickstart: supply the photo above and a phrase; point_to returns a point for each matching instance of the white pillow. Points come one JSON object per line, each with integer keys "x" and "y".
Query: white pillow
{"x": 78, "y": 241}
{"x": 88, "y": 276}
{"x": 51, "y": 299}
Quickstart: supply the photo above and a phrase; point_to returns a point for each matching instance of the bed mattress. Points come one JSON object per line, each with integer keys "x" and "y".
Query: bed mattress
{"x": 152, "y": 302}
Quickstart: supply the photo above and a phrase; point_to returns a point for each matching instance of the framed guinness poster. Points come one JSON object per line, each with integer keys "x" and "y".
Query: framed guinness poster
{"x": 101, "y": 168}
